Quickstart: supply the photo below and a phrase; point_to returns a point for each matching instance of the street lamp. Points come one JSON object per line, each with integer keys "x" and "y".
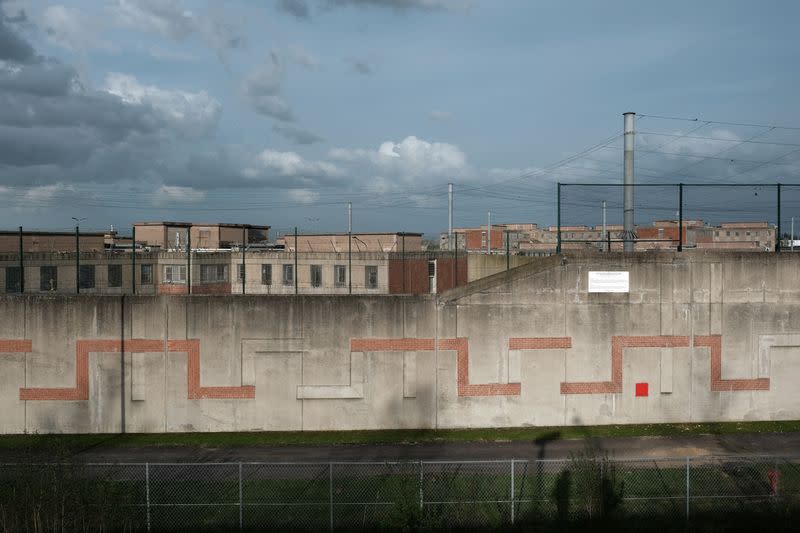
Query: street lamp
{"x": 78, "y": 253}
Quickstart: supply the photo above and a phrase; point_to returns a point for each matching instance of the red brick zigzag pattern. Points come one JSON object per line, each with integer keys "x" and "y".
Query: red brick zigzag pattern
{"x": 714, "y": 343}
{"x": 460, "y": 345}
{"x": 618, "y": 345}
{"x": 84, "y": 347}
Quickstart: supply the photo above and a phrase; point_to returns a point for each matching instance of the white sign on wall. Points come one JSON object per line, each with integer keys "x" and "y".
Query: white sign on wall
{"x": 616, "y": 281}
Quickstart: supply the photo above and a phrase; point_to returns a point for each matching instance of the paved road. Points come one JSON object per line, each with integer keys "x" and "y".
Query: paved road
{"x": 785, "y": 444}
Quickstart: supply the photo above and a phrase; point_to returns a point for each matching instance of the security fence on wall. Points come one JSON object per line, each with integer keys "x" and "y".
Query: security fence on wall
{"x": 398, "y": 495}
{"x": 679, "y": 216}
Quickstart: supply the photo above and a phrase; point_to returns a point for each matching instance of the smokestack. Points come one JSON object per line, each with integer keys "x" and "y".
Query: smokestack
{"x": 628, "y": 234}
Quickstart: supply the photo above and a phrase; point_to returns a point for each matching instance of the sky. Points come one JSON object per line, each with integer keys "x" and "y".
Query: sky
{"x": 280, "y": 112}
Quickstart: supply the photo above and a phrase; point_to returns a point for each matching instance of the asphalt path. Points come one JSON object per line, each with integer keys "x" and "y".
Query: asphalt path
{"x": 746, "y": 444}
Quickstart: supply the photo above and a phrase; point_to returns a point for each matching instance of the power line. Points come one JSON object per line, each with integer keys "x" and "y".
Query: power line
{"x": 658, "y": 134}
{"x": 722, "y": 123}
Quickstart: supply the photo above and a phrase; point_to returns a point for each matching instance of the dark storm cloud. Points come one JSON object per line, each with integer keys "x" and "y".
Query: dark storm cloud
{"x": 296, "y": 8}
{"x": 12, "y": 46}
{"x": 55, "y": 130}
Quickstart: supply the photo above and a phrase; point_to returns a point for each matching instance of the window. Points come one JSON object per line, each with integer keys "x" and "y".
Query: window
{"x": 13, "y": 279}
{"x": 174, "y": 274}
{"x": 340, "y": 275}
{"x": 371, "y": 275}
{"x": 86, "y": 277}
{"x": 432, "y": 276}
{"x": 213, "y": 273}
{"x": 737, "y": 233}
{"x": 716, "y": 234}
{"x": 48, "y": 278}
{"x": 727, "y": 233}
{"x": 316, "y": 275}
{"x": 146, "y": 274}
{"x": 288, "y": 274}
{"x": 115, "y": 275}
{"x": 240, "y": 272}
{"x": 266, "y": 274}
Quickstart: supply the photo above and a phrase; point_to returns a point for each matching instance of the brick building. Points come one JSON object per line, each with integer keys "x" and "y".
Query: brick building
{"x": 174, "y": 235}
{"x": 226, "y": 272}
{"x": 360, "y": 242}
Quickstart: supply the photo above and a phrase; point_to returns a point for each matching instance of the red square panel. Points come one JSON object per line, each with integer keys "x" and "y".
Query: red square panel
{"x": 641, "y": 389}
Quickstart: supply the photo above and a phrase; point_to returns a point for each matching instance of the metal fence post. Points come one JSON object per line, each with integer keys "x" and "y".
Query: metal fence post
{"x": 421, "y": 500}
{"x": 680, "y": 217}
{"x": 513, "y": 495}
{"x": 558, "y": 220}
{"x": 241, "y": 501}
{"x": 21, "y": 263}
{"x": 778, "y": 227}
{"x": 508, "y": 257}
{"x": 133, "y": 260}
{"x": 147, "y": 491}
{"x": 688, "y": 487}
{"x": 330, "y": 492}
{"x": 77, "y": 260}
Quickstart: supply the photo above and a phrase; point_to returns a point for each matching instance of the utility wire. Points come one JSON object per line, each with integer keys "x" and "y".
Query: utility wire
{"x": 721, "y": 123}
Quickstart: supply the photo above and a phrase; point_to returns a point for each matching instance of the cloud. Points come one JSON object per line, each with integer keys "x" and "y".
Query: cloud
{"x": 290, "y": 164}
{"x": 195, "y": 113}
{"x": 303, "y": 196}
{"x": 54, "y": 130}
{"x": 263, "y": 87}
{"x": 73, "y": 29}
{"x": 12, "y": 46}
{"x": 296, "y": 8}
{"x": 170, "y": 19}
{"x": 440, "y": 115}
{"x": 167, "y": 194}
{"x": 47, "y": 193}
{"x": 301, "y": 56}
{"x": 410, "y": 159}
{"x": 402, "y": 5}
{"x": 360, "y": 66}
{"x": 297, "y": 135}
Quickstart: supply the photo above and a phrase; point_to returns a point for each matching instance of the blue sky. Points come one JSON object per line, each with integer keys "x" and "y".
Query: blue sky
{"x": 280, "y": 112}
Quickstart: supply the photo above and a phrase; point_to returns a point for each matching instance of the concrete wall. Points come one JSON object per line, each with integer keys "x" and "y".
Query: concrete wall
{"x": 483, "y": 265}
{"x": 713, "y": 337}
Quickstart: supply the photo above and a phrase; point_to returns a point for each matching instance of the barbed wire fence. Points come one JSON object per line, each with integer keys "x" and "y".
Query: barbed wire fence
{"x": 248, "y": 496}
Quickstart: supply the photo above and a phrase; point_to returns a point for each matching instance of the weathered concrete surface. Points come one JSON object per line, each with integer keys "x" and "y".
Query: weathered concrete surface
{"x": 713, "y": 336}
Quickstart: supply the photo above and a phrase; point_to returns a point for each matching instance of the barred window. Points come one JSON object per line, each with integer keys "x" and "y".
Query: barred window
{"x": 288, "y": 274}
{"x": 174, "y": 274}
{"x": 86, "y": 277}
{"x": 146, "y": 272}
{"x": 340, "y": 275}
{"x": 13, "y": 279}
{"x": 115, "y": 275}
{"x": 266, "y": 274}
{"x": 48, "y": 278}
{"x": 316, "y": 275}
{"x": 213, "y": 273}
{"x": 371, "y": 277}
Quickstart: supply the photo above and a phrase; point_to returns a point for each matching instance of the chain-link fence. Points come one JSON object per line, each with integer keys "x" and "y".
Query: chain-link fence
{"x": 588, "y": 487}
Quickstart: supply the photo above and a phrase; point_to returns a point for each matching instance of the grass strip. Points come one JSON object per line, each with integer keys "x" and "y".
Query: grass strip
{"x": 400, "y": 436}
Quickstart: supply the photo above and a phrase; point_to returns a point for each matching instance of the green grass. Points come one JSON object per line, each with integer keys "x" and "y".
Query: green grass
{"x": 69, "y": 443}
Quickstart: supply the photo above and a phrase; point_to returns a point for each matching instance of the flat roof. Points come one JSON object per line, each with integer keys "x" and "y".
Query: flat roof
{"x": 344, "y": 234}
{"x": 55, "y": 233}
{"x": 190, "y": 224}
